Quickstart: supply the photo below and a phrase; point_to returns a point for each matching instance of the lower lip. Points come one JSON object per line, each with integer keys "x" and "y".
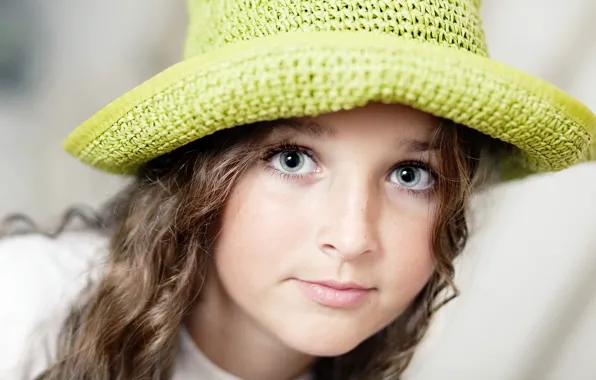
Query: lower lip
{"x": 331, "y": 297}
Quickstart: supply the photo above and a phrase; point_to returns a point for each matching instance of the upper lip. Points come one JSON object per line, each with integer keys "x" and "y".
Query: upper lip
{"x": 338, "y": 285}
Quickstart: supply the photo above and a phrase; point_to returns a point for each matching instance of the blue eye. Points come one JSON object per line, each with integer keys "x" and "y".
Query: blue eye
{"x": 293, "y": 162}
{"x": 412, "y": 177}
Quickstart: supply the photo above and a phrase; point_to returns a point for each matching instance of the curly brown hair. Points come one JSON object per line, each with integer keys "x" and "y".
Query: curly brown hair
{"x": 161, "y": 227}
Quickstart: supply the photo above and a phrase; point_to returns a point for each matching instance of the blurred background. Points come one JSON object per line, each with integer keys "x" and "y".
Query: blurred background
{"x": 62, "y": 60}
{"x": 527, "y": 309}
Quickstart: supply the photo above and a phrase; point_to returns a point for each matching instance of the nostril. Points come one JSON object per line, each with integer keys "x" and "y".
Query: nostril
{"x": 328, "y": 247}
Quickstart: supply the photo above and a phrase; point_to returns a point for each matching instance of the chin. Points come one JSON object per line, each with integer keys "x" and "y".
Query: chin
{"x": 328, "y": 351}
{"x": 325, "y": 341}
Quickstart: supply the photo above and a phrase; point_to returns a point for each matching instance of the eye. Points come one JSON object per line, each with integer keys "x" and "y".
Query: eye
{"x": 413, "y": 176}
{"x": 293, "y": 161}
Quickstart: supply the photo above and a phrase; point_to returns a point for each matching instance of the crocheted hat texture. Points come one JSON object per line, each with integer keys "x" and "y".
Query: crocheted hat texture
{"x": 256, "y": 60}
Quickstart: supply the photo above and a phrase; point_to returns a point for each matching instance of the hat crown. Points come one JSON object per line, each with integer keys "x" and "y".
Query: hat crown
{"x": 450, "y": 23}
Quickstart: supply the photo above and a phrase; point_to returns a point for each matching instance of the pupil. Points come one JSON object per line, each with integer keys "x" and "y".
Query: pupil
{"x": 408, "y": 175}
{"x": 291, "y": 160}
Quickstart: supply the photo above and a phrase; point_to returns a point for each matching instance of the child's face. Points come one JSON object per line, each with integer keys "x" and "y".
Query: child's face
{"x": 339, "y": 203}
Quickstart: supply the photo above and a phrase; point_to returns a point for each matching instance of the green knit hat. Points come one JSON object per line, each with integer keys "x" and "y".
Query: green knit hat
{"x": 258, "y": 60}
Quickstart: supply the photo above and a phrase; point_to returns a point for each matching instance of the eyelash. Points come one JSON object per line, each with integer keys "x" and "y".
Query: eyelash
{"x": 269, "y": 154}
{"x": 419, "y": 164}
{"x": 285, "y": 147}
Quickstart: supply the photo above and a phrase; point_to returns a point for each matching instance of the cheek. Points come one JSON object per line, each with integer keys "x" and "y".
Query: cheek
{"x": 408, "y": 262}
{"x": 263, "y": 230}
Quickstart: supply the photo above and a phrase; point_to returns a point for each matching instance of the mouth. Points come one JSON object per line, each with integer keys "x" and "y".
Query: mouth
{"x": 335, "y": 294}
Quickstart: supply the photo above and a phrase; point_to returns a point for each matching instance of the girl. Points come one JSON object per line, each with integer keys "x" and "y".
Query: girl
{"x": 300, "y": 189}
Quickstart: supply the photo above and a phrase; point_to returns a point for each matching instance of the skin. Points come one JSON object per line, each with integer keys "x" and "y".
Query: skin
{"x": 346, "y": 215}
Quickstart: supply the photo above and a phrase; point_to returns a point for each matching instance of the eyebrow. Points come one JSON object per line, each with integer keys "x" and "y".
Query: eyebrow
{"x": 309, "y": 127}
{"x": 416, "y": 146}
{"x": 312, "y": 128}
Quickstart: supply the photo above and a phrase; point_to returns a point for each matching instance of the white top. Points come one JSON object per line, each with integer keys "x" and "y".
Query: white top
{"x": 38, "y": 279}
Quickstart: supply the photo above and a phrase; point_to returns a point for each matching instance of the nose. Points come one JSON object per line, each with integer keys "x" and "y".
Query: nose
{"x": 350, "y": 214}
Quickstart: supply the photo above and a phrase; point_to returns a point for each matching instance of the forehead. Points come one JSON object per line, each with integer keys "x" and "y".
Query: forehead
{"x": 374, "y": 121}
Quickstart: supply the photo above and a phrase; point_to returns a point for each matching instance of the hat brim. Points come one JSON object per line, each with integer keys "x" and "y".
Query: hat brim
{"x": 299, "y": 74}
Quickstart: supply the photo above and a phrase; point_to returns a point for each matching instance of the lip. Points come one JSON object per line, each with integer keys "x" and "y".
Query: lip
{"x": 335, "y": 294}
{"x": 340, "y": 285}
